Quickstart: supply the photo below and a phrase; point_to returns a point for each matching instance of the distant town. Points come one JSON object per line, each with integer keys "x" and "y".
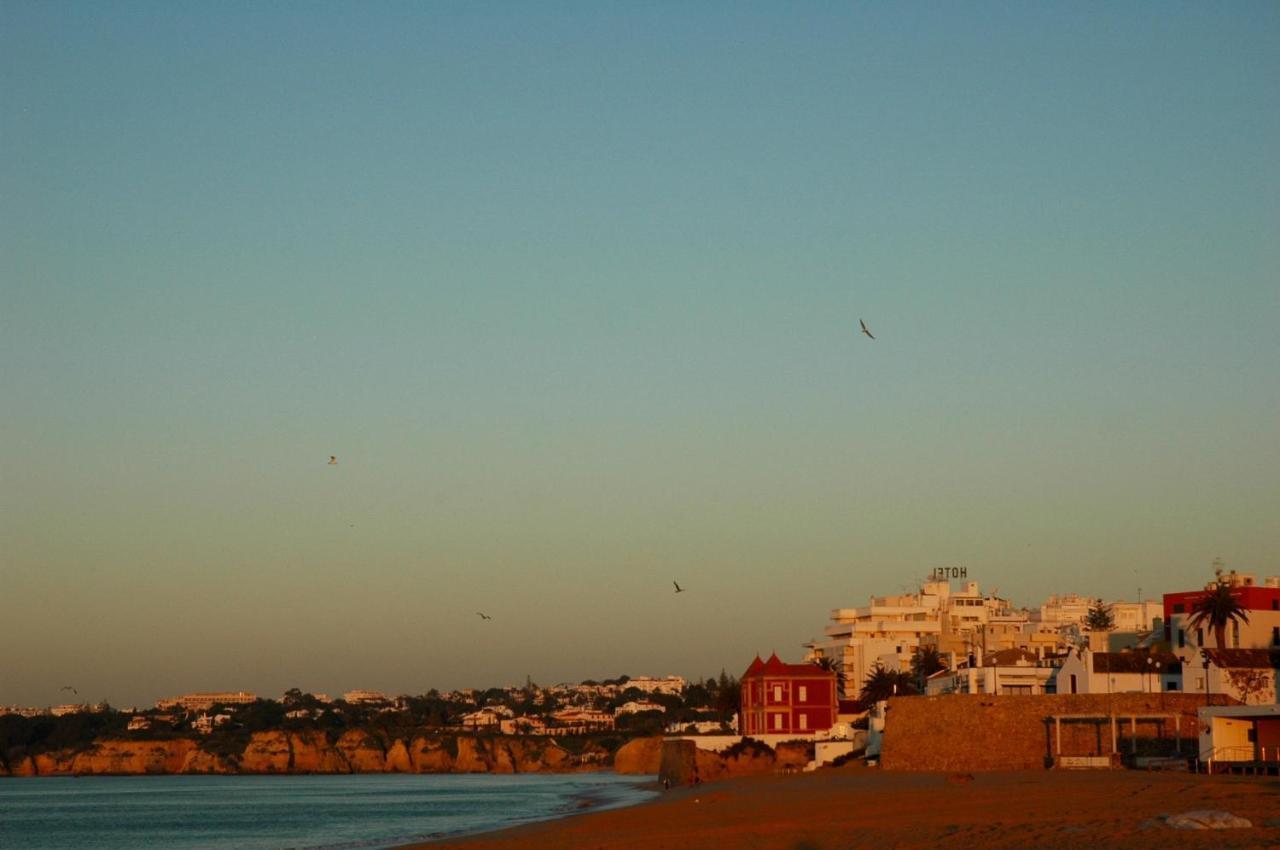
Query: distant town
{"x": 948, "y": 638}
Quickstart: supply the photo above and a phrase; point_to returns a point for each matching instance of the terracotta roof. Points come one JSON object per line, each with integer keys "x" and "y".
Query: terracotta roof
{"x": 1010, "y": 658}
{"x": 776, "y": 667}
{"x": 1134, "y": 662}
{"x": 1264, "y": 659}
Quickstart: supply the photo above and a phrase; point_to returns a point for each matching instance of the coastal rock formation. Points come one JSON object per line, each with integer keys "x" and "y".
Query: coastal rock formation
{"x": 310, "y": 751}
{"x": 267, "y": 752}
{"x": 362, "y": 752}
{"x": 398, "y": 759}
{"x": 639, "y": 757}
{"x": 432, "y": 755}
{"x": 681, "y": 762}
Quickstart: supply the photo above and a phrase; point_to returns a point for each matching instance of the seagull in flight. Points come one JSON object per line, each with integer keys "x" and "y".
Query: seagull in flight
{"x": 333, "y": 460}
{"x": 69, "y": 688}
{"x": 864, "y": 328}
{"x": 483, "y": 616}
{"x": 679, "y": 589}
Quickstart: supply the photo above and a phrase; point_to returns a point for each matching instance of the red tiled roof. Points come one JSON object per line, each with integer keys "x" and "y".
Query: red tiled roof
{"x": 776, "y": 667}
{"x": 1258, "y": 659}
{"x": 1134, "y": 662}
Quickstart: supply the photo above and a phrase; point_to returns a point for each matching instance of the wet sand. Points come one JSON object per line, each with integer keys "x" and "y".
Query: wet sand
{"x": 855, "y": 806}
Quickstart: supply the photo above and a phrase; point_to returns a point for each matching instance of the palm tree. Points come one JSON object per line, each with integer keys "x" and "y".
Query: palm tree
{"x": 834, "y": 665}
{"x": 883, "y": 683}
{"x": 925, "y": 662}
{"x": 1218, "y": 607}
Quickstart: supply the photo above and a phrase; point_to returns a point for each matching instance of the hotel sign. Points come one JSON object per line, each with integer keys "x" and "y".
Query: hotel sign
{"x": 948, "y": 573}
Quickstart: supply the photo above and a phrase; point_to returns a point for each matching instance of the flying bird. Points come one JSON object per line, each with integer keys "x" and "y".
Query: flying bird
{"x": 679, "y": 589}
{"x": 864, "y": 328}
{"x": 69, "y": 688}
{"x": 483, "y": 616}
{"x": 333, "y": 460}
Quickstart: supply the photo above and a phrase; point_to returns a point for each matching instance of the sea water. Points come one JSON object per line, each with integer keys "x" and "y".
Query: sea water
{"x": 277, "y": 812}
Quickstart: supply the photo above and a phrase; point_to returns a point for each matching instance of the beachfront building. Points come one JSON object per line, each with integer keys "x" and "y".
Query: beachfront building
{"x": 362, "y": 697}
{"x": 1085, "y": 671}
{"x": 1240, "y": 734}
{"x": 1007, "y": 672}
{"x": 779, "y": 698}
{"x": 1261, "y": 601}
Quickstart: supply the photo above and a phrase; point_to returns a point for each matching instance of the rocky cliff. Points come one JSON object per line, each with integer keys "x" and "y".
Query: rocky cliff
{"x": 312, "y": 752}
{"x": 680, "y": 762}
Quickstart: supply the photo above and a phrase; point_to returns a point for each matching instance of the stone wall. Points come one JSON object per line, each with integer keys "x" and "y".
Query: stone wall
{"x": 967, "y": 732}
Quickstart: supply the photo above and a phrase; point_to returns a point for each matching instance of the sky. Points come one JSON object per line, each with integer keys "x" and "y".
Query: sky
{"x": 572, "y": 292}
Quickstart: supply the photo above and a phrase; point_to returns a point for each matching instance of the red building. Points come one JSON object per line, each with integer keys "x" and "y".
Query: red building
{"x": 783, "y": 699}
{"x": 1260, "y": 602}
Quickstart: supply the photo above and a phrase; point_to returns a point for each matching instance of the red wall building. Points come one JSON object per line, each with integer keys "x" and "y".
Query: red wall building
{"x": 1262, "y": 631}
{"x": 783, "y": 699}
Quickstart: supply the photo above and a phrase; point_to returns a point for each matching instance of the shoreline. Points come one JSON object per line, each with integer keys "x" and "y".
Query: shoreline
{"x": 856, "y": 806}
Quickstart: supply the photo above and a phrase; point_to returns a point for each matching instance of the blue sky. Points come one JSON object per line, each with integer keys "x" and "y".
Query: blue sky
{"x": 572, "y": 291}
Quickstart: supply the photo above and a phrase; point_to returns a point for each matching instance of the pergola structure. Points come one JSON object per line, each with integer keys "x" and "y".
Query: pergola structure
{"x": 1114, "y": 720}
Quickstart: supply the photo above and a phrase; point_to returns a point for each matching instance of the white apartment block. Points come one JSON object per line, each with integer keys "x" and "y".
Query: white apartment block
{"x": 204, "y": 700}
{"x": 673, "y": 685}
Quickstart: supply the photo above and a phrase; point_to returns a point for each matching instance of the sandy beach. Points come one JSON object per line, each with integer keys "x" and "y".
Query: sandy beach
{"x": 855, "y": 806}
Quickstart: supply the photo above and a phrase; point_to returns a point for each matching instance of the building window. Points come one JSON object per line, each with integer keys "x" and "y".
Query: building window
{"x": 804, "y": 721}
{"x": 1073, "y": 683}
{"x": 1182, "y": 638}
{"x": 1179, "y": 608}
{"x": 1275, "y": 635}
{"x": 1200, "y": 637}
{"x": 777, "y": 722}
{"x": 804, "y": 695}
{"x": 1170, "y": 686}
{"x": 777, "y": 693}
{"x": 1275, "y": 604}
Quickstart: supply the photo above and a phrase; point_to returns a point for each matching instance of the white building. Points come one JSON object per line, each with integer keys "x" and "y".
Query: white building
{"x": 889, "y": 629}
{"x": 1007, "y": 672}
{"x": 635, "y": 707}
{"x": 360, "y": 696}
{"x": 1087, "y": 672}
{"x": 1240, "y": 733}
{"x": 673, "y": 685}
{"x": 204, "y": 700}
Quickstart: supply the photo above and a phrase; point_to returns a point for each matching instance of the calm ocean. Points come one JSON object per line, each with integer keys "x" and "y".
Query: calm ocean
{"x": 273, "y": 812}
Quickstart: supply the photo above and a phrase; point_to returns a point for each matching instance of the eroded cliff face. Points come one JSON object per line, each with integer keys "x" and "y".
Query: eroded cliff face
{"x": 311, "y": 752}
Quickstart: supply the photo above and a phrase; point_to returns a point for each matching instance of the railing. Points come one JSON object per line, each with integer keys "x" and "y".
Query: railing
{"x": 1240, "y": 754}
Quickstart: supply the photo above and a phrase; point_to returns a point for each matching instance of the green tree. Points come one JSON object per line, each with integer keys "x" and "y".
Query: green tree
{"x": 1099, "y": 617}
{"x": 1217, "y": 607}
